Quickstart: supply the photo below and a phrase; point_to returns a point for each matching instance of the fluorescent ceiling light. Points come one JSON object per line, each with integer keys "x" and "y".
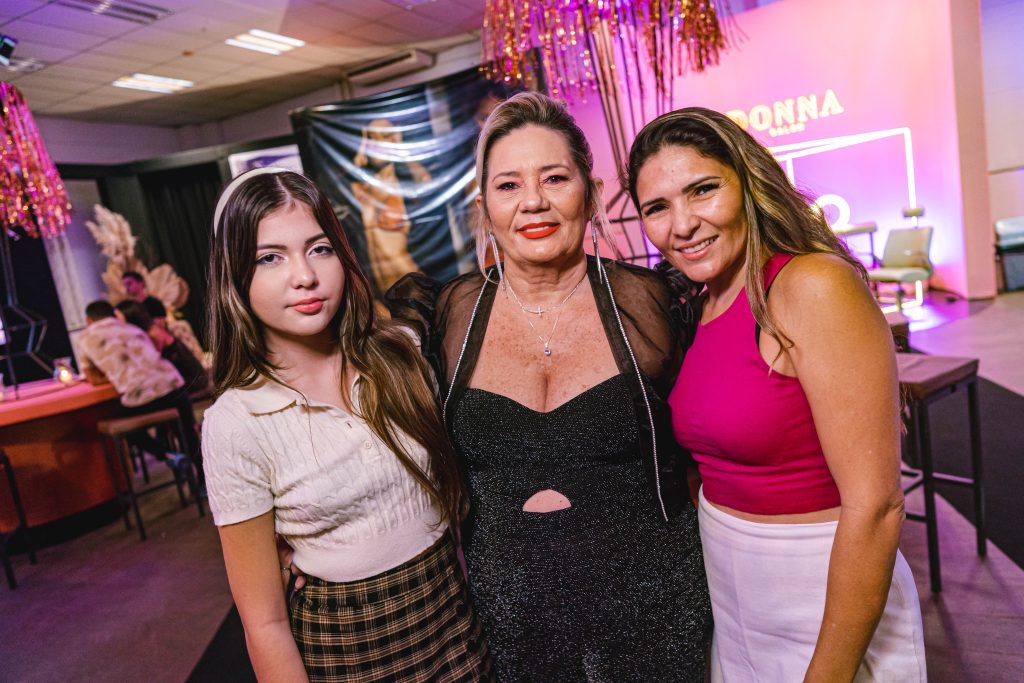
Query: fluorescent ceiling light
{"x": 265, "y": 41}
{"x": 294, "y": 42}
{"x": 252, "y": 46}
{"x": 151, "y": 83}
{"x": 138, "y": 85}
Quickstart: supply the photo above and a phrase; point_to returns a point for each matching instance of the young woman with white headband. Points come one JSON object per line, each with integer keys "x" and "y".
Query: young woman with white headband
{"x": 326, "y": 429}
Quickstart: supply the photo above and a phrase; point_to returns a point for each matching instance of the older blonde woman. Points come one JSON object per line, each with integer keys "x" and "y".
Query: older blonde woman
{"x": 582, "y": 547}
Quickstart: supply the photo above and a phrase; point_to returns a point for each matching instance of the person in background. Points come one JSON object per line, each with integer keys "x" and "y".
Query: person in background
{"x": 789, "y": 402}
{"x": 197, "y": 380}
{"x": 135, "y": 288}
{"x": 326, "y": 429}
{"x": 114, "y": 351}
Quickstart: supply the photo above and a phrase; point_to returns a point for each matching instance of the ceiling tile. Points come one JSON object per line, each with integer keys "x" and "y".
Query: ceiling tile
{"x": 60, "y": 17}
{"x": 380, "y": 34}
{"x": 367, "y": 9}
{"x": 93, "y": 60}
{"x": 234, "y": 55}
{"x": 22, "y": 29}
{"x": 417, "y": 25}
{"x": 199, "y": 23}
{"x": 142, "y": 52}
{"x": 196, "y": 66}
{"x": 316, "y": 55}
{"x": 79, "y": 75}
{"x": 331, "y": 18}
{"x": 44, "y": 53}
{"x": 181, "y": 41}
{"x": 18, "y": 8}
{"x": 43, "y": 82}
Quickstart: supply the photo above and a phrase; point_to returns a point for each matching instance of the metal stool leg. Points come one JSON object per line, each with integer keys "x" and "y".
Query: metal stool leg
{"x": 12, "y": 583}
{"x": 110, "y": 454}
{"x": 976, "y": 471}
{"x": 19, "y": 509}
{"x": 924, "y": 451}
{"x": 190, "y": 471}
{"x": 121, "y": 446}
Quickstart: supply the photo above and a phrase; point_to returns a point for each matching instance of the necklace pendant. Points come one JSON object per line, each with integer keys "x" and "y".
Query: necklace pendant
{"x": 547, "y": 349}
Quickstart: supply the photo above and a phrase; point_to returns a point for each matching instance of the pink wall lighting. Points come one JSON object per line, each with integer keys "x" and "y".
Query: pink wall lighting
{"x": 857, "y": 100}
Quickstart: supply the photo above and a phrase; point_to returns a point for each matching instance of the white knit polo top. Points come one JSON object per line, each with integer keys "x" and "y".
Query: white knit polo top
{"x": 340, "y": 497}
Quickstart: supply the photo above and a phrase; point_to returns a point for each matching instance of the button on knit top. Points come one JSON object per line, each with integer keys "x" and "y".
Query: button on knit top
{"x": 750, "y": 430}
{"x": 340, "y": 497}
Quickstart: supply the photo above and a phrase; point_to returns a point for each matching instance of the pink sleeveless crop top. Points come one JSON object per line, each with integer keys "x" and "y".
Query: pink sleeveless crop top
{"x": 750, "y": 432}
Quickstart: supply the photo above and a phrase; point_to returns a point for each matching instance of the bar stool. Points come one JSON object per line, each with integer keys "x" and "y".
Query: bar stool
{"x": 900, "y": 328}
{"x": 116, "y": 448}
{"x": 924, "y": 380}
{"x": 19, "y": 509}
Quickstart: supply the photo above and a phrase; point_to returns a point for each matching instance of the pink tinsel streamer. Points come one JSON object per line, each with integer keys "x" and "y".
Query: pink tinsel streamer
{"x": 670, "y": 36}
{"x": 32, "y": 194}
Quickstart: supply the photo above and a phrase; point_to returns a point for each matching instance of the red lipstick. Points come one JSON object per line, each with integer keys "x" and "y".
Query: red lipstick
{"x": 535, "y": 231}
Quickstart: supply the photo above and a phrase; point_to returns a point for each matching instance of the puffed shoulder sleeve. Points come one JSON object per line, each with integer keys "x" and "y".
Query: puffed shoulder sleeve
{"x": 412, "y": 301}
{"x": 685, "y": 296}
{"x": 238, "y": 476}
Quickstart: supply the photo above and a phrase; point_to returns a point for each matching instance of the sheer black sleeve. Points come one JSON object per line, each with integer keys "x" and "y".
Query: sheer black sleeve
{"x": 412, "y": 301}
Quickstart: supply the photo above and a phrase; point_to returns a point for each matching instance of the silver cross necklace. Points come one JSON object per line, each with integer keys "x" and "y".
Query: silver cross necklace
{"x": 539, "y": 311}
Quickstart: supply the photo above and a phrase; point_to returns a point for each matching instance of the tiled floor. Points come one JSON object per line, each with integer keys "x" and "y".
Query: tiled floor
{"x": 107, "y": 607}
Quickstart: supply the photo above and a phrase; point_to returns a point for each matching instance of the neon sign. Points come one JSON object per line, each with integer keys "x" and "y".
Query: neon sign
{"x": 789, "y": 115}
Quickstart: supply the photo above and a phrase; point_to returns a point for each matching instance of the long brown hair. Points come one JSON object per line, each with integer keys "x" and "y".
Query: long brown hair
{"x": 395, "y": 391}
{"x": 780, "y": 218}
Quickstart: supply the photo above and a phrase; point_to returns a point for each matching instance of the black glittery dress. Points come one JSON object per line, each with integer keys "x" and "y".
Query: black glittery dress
{"x": 600, "y": 591}
{"x": 611, "y": 589}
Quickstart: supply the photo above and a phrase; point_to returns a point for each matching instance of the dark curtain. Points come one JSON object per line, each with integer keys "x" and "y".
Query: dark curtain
{"x": 179, "y": 203}
{"x": 33, "y": 284}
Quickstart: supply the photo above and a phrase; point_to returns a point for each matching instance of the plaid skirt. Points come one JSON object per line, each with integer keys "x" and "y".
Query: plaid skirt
{"x": 412, "y": 623}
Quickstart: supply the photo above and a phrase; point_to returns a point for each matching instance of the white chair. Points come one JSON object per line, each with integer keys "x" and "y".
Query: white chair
{"x": 905, "y": 260}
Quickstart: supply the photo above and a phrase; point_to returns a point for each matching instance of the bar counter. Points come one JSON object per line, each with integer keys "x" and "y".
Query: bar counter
{"x": 49, "y": 433}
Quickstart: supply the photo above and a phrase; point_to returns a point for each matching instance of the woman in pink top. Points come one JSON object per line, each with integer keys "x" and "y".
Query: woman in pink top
{"x": 789, "y": 401}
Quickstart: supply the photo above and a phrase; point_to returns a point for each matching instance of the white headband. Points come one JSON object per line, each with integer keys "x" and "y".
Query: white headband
{"x": 233, "y": 185}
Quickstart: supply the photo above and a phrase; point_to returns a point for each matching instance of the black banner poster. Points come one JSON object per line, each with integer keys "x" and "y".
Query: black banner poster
{"x": 399, "y": 170}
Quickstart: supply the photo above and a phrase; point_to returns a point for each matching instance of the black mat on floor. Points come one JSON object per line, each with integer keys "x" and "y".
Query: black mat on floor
{"x": 225, "y": 659}
{"x": 1002, "y": 440}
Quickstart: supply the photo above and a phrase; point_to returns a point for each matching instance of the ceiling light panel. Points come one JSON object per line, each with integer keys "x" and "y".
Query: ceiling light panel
{"x": 127, "y": 10}
{"x": 265, "y": 41}
{"x": 151, "y": 83}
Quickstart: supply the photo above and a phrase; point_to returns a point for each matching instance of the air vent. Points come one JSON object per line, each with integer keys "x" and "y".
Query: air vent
{"x": 128, "y": 10}
{"x": 390, "y": 67}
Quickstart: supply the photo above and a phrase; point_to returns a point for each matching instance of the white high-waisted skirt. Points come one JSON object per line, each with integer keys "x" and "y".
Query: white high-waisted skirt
{"x": 767, "y": 585}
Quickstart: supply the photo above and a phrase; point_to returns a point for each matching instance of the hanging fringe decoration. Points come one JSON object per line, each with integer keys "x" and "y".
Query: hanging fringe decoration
{"x": 32, "y": 195}
{"x": 671, "y": 37}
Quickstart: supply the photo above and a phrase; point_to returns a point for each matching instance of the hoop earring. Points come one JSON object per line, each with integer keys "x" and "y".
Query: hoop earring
{"x": 497, "y": 257}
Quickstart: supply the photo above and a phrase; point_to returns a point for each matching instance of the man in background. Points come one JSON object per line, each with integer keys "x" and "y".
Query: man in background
{"x": 115, "y": 351}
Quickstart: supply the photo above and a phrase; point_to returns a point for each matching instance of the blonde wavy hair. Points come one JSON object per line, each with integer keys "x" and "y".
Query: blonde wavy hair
{"x": 536, "y": 109}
